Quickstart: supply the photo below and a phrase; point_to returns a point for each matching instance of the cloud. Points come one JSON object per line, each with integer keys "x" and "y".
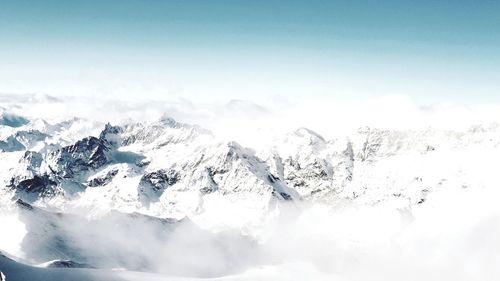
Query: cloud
{"x": 257, "y": 122}
{"x": 453, "y": 236}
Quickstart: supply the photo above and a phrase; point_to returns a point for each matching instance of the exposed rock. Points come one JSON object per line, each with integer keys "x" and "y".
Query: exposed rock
{"x": 100, "y": 181}
{"x": 38, "y": 184}
{"x": 65, "y": 264}
{"x": 31, "y": 189}
{"x": 159, "y": 180}
{"x": 111, "y": 134}
{"x": 86, "y": 154}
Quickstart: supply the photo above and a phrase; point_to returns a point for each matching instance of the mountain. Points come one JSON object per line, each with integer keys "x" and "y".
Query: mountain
{"x": 172, "y": 198}
{"x": 164, "y": 168}
{"x": 170, "y": 169}
{"x": 14, "y": 270}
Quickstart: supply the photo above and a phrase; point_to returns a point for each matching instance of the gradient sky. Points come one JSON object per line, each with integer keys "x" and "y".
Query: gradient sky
{"x": 432, "y": 51}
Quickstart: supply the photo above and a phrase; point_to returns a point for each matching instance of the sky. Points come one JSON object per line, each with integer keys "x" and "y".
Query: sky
{"x": 429, "y": 51}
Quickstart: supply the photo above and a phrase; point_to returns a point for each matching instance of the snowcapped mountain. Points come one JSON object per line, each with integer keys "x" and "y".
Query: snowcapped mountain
{"x": 92, "y": 195}
{"x": 170, "y": 169}
{"x": 164, "y": 168}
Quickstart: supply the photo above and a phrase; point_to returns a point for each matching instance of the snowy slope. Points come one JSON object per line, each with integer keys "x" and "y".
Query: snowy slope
{"x": 173, "y": 198}
{"x": 15, "y": 271}
{"x": 169, "y": 169}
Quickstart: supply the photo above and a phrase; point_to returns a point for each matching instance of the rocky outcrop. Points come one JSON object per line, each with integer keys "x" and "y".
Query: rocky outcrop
{"x": 87, "y": 154}
{"x": 33, "y": 188}
{"x": 104, "y": 180}
{"x": 153, "y": 184}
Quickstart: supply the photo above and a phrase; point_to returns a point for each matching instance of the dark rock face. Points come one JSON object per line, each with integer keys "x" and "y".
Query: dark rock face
{"x": 67, "y": 264}
{"x": 23, "y": 205}
{"x": 282, "y": 195}
{"x": 272, "y": 178}
{"x": 33, "y": 188}
{"x": 86, "y": 154}
{"x": 286, "y": 196}
{"x": 111, "y": 135}
{"x": 68, "y": 166}
{"x": 110, "y": 130}
{"x": 152, "y": 185}
{"x": 103, "y": 180}
{"x": 32, "y": 184}
{"x": 161, "y": 179}
{"x": 36, "y": 184}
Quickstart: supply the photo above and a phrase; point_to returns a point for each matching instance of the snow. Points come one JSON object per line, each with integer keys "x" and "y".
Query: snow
{"x": 368, "y": 166}
{"x": 362, "y": 204}
{"x": 288, "y": 272}
{"x": 15, "y": 271}
{"x": 12, "y": 233}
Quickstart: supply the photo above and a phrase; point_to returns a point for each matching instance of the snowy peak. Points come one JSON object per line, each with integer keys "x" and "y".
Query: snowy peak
{"x": 160, "y": 133}
{"x": 167, "y": 168}
{"x": 86, "y": 154}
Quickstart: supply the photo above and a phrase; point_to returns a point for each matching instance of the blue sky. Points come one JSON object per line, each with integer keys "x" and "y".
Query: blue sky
{"x": 428, "y": 50}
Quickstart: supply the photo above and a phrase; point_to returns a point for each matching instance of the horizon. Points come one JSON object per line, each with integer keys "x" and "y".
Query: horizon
{"x": 249, "y": 140}
{"x": 443, "y": 52}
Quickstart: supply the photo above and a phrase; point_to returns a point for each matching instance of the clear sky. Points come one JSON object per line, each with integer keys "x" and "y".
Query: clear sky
{"x": 428, "y": 50}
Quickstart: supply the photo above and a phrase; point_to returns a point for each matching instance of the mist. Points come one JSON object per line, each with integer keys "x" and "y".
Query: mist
{"x": 243, "y": 120}
{"x": 249, "y": 140}
{"x": 453, "y": 236}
